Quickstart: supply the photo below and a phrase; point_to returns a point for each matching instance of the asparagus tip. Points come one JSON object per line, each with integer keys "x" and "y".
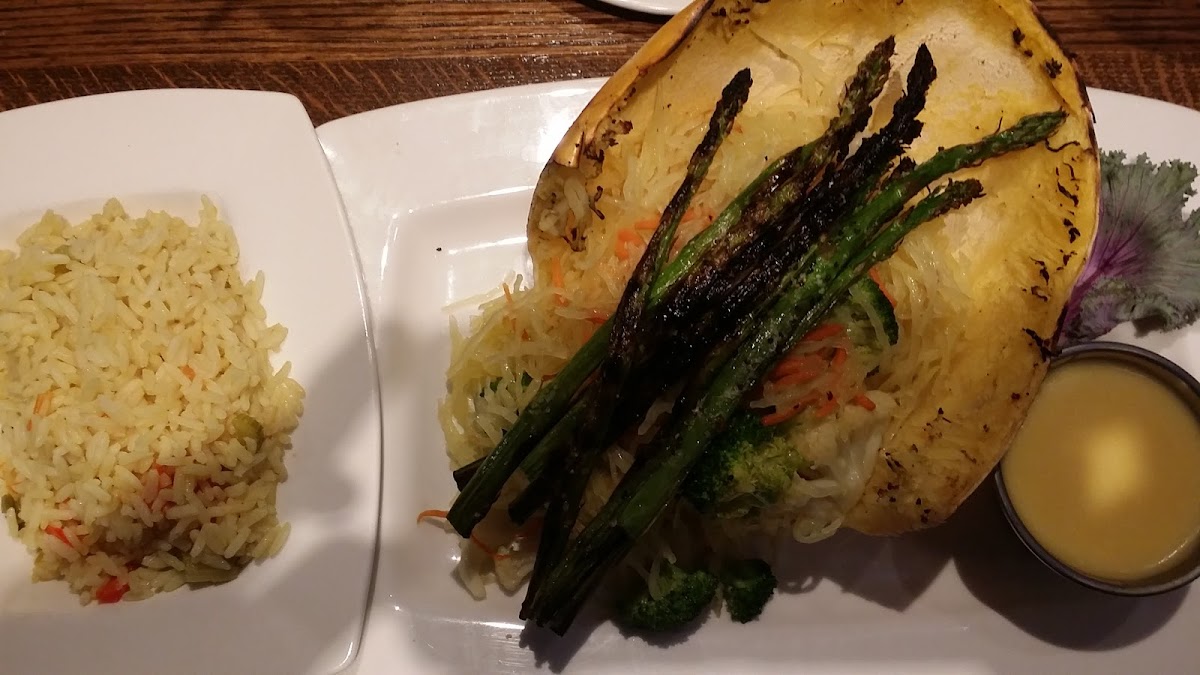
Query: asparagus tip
{"x": 954, "y": 194}
{"x": 885, "y": 48}
{"x": 1038, "y": 127}
{"x": 739, "y": 86}
{"x": 923, "y": 72}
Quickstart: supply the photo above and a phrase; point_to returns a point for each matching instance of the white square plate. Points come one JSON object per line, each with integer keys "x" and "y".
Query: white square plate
{"x": 437, "y": 193}
{"x": 257, "y": 157}
{"x": 659, "y": 7}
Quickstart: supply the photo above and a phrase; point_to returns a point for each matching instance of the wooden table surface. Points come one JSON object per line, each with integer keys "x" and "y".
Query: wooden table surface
{"x": 346, "y": 56}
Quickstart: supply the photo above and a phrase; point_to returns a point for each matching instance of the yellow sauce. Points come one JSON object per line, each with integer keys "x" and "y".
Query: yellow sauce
{"x": 1105, "y": 471}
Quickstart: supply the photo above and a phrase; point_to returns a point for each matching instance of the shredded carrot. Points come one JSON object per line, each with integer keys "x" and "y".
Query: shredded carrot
{"x": 560, "y": 300}
{"x": 188, "y": 372}
{"x": 647, "y": 223}
{"x": 791, "y": 411}
{"x": 549, "y": 376}
{"x": 596, "y": 318}
{"x": 824, "y": 332}
{"x": 165, "y": 470}
{"x": 432, "y": 513}
{"x": 839, "y": 358}
{"x": 792, "y": 365}
{"x": 863, "y": 401}
{"x": 781, "y": 416}
{"x": 626, "y": 237}
{"x": 874, "y": 274}
{"x": 57, "y": 532}
{"x": 556, "y": 273}
{"x": 438, "y": 513}
{"x": 525, "y": 336}
{"x": 41, "y": 403}
{"x": 827, "y": 409}
{"x": 800, "y": 377}
{"x": 491, "y": 552}
{"x": 507, "y": 293}
{"x": 696, "y": 213}
{"x": 737, "y": 127}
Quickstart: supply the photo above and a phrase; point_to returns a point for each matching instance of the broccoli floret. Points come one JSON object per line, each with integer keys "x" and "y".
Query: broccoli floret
{"x": 747, "y": 467}
{"x": 710, "y": 479}
{"x": 683, "y": 597}
{"x": 746, "y": 586}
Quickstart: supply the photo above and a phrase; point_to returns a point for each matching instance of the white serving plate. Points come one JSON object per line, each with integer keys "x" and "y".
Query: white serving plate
{"x": 437, "y": 192}
{"x": 256, "y": 155}
{"x": 658, "y": 7}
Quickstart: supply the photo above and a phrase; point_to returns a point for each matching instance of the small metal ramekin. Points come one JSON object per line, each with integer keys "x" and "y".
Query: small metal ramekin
{"x": 1188, "y": 389}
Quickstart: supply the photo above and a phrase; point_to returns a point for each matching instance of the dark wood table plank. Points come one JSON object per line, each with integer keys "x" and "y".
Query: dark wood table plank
{"x": 346, "y": 56}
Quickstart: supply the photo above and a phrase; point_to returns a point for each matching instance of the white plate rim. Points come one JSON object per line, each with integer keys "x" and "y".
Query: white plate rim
{"x": 374, "y": 660}
{"x": 654, "y": 7}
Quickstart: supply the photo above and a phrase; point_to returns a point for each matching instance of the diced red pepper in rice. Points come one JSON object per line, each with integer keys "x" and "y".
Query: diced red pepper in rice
{"x": 111, "y": 591}
{"x": 58, "y": 533}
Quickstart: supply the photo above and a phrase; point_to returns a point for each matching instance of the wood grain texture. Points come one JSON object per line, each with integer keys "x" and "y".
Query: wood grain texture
{"x": 346, "y": 56}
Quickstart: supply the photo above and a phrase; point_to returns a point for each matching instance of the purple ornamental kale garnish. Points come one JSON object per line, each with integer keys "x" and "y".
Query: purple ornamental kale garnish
{"x": 1145, "y": 263}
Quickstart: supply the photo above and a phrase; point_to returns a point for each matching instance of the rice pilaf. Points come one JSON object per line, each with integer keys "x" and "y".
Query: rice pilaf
{"x": 142, "y": 426}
